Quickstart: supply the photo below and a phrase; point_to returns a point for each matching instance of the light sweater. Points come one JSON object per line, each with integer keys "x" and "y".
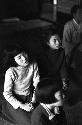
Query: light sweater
{"x": 18, "y": 79}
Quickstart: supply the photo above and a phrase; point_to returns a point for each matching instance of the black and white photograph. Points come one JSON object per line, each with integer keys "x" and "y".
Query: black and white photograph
{"x": 40, "y": 62}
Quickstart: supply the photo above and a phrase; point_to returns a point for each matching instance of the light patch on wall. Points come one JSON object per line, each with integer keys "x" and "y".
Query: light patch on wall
{"x": 54, "y": 1}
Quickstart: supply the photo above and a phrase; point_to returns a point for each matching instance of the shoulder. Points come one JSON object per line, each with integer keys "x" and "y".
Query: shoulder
{"x": 68, "y": 25}
{"x": 34, "y": 65}
{"x": 10, "y": 72}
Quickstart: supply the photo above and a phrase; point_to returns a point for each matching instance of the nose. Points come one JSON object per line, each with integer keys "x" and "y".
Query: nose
{"x": 23, "y": 58}
{"x": 57, "y": 42}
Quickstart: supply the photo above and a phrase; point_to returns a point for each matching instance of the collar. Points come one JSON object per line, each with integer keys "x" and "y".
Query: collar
{"x": 76, "y": 24}
{"x": 51, "y": 115}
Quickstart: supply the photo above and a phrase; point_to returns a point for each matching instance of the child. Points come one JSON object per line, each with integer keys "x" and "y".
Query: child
{"x": 52, "y": 61}
{"x": 20, "y": 78}
{"x": 50, "y": 110}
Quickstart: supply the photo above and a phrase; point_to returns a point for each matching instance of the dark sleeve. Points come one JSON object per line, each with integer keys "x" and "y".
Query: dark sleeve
{"x": 59, "y": 119}
{"x": 67, "y": 36}
{"x": 63, "y": 69}
{"x": 64, "y": 73}
{"x": 35, "y": 118}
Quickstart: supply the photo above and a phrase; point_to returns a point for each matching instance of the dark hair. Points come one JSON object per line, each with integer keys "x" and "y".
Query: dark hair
{"x": 45, "y": 90}
{"x": 57, "y": 36}
{"x": 8, "y": 55}
{"x": 48, "y": 34}
{"x": 74, "y": 9}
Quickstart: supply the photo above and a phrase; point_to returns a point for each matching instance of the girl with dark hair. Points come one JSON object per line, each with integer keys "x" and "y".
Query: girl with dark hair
{"x": 21, "y": 78}
{"x": 52, "y": 61}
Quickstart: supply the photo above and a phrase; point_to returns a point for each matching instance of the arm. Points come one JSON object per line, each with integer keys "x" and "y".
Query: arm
{"x": 67, "y": 39}
{"x": 8, "y": 89}
{"x": 36, "y": 76}
{"x": 64, "y": 73}
{"x": 36, "y": 79}
{"x": 63, "y": 70}
{"x": 8, "y": 92}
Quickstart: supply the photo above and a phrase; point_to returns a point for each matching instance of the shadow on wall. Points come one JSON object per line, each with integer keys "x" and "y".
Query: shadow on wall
{"x": 30, "y": 39}
{"x": 62, "y": 18}
{"x": 17, "y": 8}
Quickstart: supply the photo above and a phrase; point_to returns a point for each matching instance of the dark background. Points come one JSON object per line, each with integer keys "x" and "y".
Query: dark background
{"x": 18, "y": 8}
{"x": 30, "y": 33}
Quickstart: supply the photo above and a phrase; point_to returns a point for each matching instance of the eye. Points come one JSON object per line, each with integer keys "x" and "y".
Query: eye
{"x": 55, "y": 40}
{"x": 19, "y": 57}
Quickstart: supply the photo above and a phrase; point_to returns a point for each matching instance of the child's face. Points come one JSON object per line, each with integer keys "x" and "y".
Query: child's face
{"x": 21, "y": 59}
{"x": 54, "y": 42}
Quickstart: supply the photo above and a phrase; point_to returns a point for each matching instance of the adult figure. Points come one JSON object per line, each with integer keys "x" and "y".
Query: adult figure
{"x": 72, "y": 31}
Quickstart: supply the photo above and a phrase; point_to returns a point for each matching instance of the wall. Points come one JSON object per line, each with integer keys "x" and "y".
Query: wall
{"x": 20, "y": 8}
{"x": 65, "y": 5}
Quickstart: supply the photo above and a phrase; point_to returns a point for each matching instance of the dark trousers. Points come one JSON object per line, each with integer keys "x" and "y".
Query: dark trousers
{"x": 17, "y": 116}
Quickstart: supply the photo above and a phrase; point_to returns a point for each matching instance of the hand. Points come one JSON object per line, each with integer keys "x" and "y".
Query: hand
{"x": 56, "y": 110}
{"x": 27, "y": 107}
{"x": 33, "y": 98}
{"x": 65, "y": 86}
